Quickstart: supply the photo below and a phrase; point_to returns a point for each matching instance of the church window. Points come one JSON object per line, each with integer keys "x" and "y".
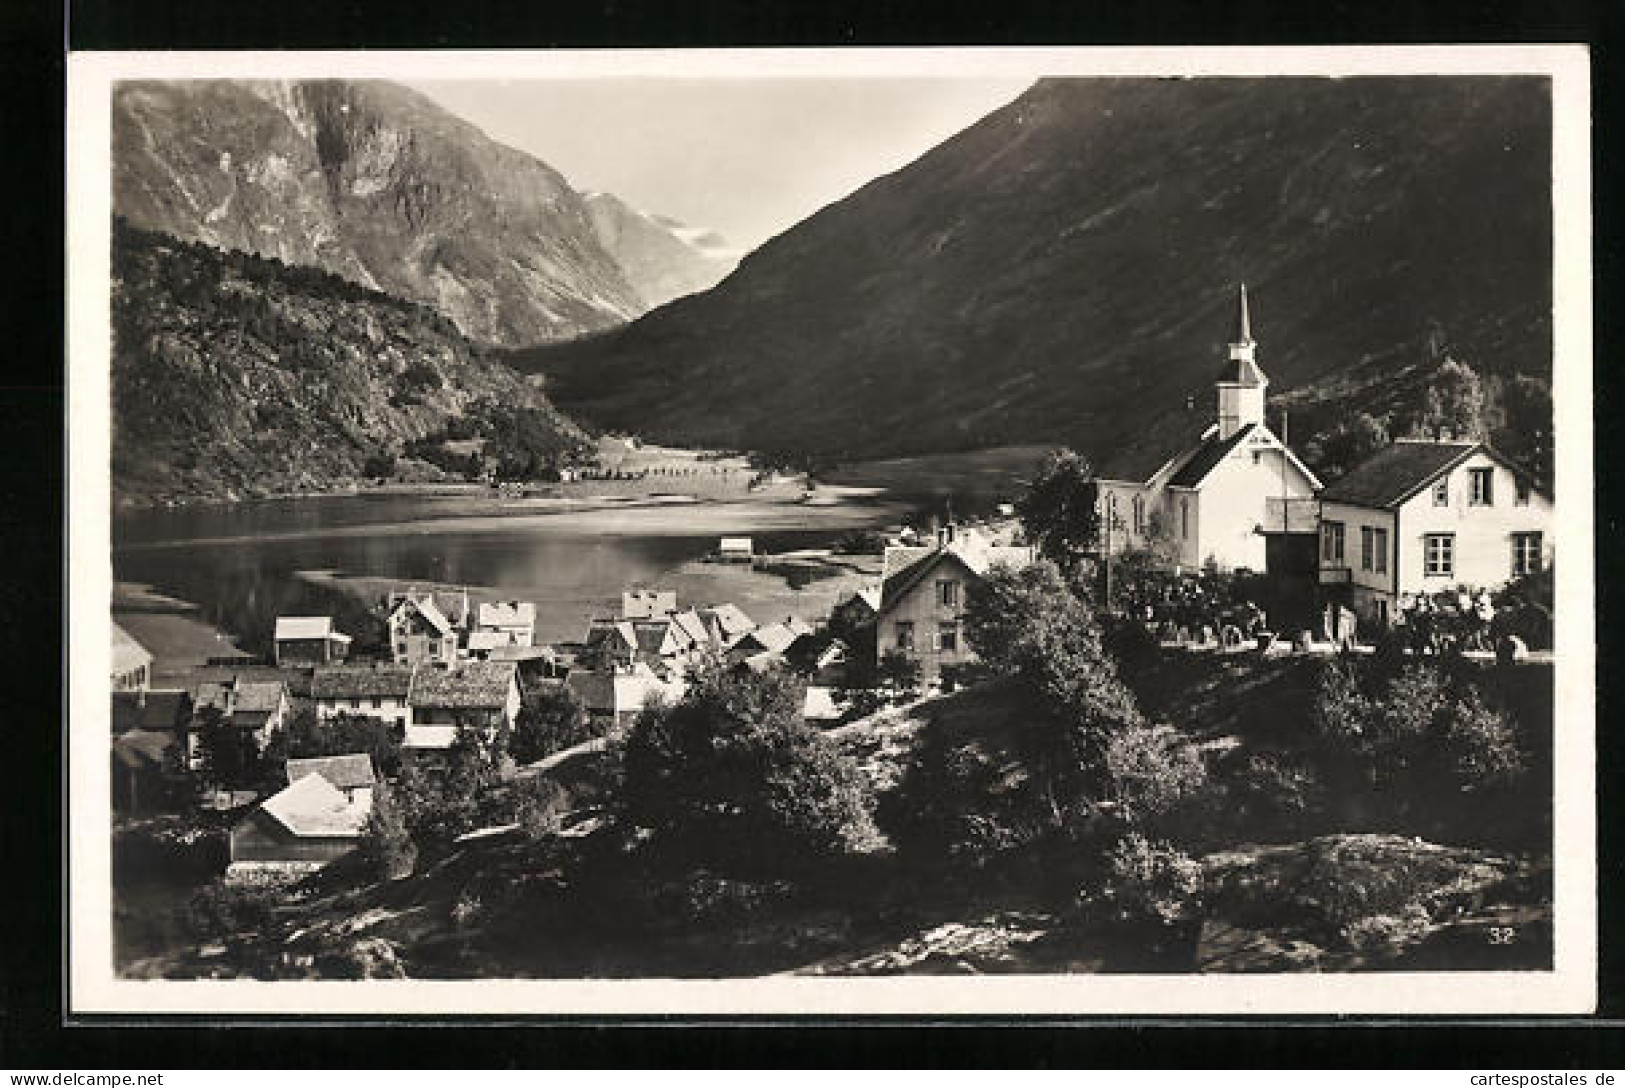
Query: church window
{"x": 1185, "y": 518}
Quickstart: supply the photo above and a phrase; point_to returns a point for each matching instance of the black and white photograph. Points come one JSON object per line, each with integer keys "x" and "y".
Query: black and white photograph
{"x": 929, "y": 531}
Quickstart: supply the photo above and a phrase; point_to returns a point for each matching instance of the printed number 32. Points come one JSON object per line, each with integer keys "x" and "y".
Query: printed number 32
{"x": 1502, "y": 934}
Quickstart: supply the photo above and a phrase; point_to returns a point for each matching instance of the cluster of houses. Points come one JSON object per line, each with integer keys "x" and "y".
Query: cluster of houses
{"x": 449, "y": 665}
{"x": 1417, "y": 518}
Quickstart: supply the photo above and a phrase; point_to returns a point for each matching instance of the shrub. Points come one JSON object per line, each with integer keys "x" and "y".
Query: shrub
{"x": 1482, "y": 745}
{"x": 550, "y": 720}
{"x": 541, "y": 807}
{"x": 1387, "y": 935}
{"x": 1150, "y": 882}
{"x": 223, "y": 910}
{"x": 1150, "y": 770}
{"x": 1278, "y": 789}
{"x": 732, "y": 772}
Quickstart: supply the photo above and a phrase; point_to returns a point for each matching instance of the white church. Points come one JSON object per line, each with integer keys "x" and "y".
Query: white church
{"x": 1235, "y": 496}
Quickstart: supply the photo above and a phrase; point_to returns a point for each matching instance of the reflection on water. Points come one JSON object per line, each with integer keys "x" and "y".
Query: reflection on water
{"x": 239, "y": 563}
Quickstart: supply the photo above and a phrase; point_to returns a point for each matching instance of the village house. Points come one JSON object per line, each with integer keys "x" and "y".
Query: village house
{"x": 481, "y": 695}
{"x": 131, "y": 664}
{"x": 735, "y": 549}
{"x": 351, "y": 775}
{"x": 727, "y": 623}
{"x": 257, "y": 707}
{"x": 615, "y": 696}
{"x": 147, "y": 767}
{"x": 155, "y": 710}
{"x": 504, "y": 623}
{"x": 768, "y": 643}
{"x": 378, "y": 691}
{"x": 643, "y": 604}
{"x": 1423, "y": 516}
{"x": 923, "y": 594}
{"x": 421, "y": 630}
{"x": 1222, "y": 489}
{"x": 308, "y": 640}
{"x": 304, "y": 826}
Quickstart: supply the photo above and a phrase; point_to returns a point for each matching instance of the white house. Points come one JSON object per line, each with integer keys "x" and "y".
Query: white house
{"x": 420, "y": 630}
{"x": 131, "y": 665}
{"x": 1423, "y": 516}
{"x": 512, "y": 623}
{"x": 309, "y": 640}
{"x": 1226, "y": 489}
{"x": 377, "y": 691}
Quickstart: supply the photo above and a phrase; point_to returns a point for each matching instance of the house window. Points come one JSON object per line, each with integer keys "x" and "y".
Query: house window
{"x": 1331, "y": 542}
{"x": 355, "y": 704}
{"x": 905, "y": 635}
{"x": 434, "y": 646}
{"x": 1439, "y": 555}
{"x": 1521, "y": 492}
{"x": 1379, "y": 549}
{"x": 1139, "y": 515}
{"x": 948, "y": 638}
{"x": 1368, "y": 547}
{"x": 1482, "y": 491}
{"x": 1441, "y": 492}
{"x": 378, "y": 702}
{"x": 402, "y": 648}
{"x": 948, "y": 593}
{"x": 1185, "y": 518}
{"x": 1526, "y": 553}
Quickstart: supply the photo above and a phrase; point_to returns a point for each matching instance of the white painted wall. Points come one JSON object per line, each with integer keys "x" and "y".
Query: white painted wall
{"x": 1353, "y": 518}
{"x": 1483, "y": 533}
{"x": 1234, "y": 498}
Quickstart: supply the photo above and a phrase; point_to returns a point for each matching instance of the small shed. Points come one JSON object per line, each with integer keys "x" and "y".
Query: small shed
{"x": 735, "y": 549}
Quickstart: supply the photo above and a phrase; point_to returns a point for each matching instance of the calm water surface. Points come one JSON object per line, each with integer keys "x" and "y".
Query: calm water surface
{"x": 243, "y": 563}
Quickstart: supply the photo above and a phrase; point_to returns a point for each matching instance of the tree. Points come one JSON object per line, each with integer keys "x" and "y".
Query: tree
{"x": 386, "y": 843}
{"x": 1526, "y": 430}
{"x": 1151, "y": 882}
{"x": 733, "y": 774}
{"x": 1349, "y": 443}
{"x": 1150, "y": 771}
{"x": 1455, "y": 405}
{"x": 899, "y": 673}
{"x": 230, "y": 755}
{"x": 345, "y": 734}
{"x": 1060, "y": 509}
{"x": 550, "y": 719}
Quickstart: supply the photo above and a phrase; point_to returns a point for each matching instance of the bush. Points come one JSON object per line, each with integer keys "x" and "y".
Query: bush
{"x": 223, "y": 910}
{"x": 861, "y": 542}
{"x": 541, "y": 808}
{"x": 1151, "y": 770}
{"x": 732, "y": 773}
{"x": 1388, "y": 935}
{"x": 1277, "y": 790}
{"x": 550, "y": 720}
{"x": 1150, "y": 882}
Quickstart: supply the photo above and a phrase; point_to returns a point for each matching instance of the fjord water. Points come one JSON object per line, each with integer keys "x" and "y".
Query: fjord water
{"x": 244, "y": 563}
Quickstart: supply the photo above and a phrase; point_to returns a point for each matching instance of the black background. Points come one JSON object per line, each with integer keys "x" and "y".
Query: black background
{"x": 33, "y": 585}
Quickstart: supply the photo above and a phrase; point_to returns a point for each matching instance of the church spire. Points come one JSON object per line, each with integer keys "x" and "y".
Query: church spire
{"x": 1244, "y": 325}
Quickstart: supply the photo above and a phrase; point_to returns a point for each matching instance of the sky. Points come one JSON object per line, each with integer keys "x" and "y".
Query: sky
{"x": 748, "y": 158}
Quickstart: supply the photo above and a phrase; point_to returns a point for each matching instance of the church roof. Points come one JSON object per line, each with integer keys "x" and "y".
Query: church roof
{"x": 1169, "y": 437}
{"x": 1207, "y": 458}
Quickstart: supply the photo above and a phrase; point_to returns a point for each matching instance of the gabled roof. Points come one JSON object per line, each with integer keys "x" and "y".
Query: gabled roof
{"x": 260, "y": 696}
{"x": 1390, "y": 476}
{"x": 731, "y": 620}
{"x": 1207, "y": 457}
{"x": 621, "y": 631}
{"x": 304, "y": 627}
{"x": 486, "y": 640}
{"x": 653, "y": 636}
{"x": 507, "y": 614}
{"x": 771, "y": 638}
{"x": 313, "y": 807}
{"x": 691, "y": 627}
{"x": 360, "y": 681}
{"x": 426, "y": 607}
{"x": 128, "y": 654}
{"x": 346, "y": 772}
{"x": 619, "y": 692}
{"x": 143, "y": 748}
{"x": 471, "y": 685}
{"x": 150, "y": 710}
{"x": 971, "y": 551}
{"x": 1174, "y": 435}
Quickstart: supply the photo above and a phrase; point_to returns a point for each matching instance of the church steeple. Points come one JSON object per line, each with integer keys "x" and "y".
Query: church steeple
{"x": 1241, "y": 383}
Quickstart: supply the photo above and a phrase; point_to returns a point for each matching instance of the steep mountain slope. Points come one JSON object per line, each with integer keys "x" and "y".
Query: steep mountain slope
{"x": 662, "y": 257}
{"x": 1064, "y": 270}
{"x": 235, "y": 376}
{"x": 376, "y": 183}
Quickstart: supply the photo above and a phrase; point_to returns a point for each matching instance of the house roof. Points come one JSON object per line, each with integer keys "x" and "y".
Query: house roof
{"x": 1207, "y": 457}
{"x": 471, "y": 685}
{"x": 430, "y": 611}
{"x": 260, "y": 696}
{"x": 601, "y": 631}
{"x": 357, "y": 681}
{"x": 486, "y": 640}
{"x": 303, "y": 627}
{"x": 150, "y": 710}
{"x": 970, "y": 550}
{"x": 1390, "y": 476}
{"x": 619, "y": 692}
{"x": 772, "y": 638}
{"x": 506, "y": 652}
{"x": 691, "y": 626}
{"x": 313, "y": 807}
{"x": 142, "y": 748}
{"x": 652, "y": 635}
{"x": 346, "y": 772}
{"x": 128, "y": 654}
{"x": 507, "y": 614}
{"x": 730, "y": 618}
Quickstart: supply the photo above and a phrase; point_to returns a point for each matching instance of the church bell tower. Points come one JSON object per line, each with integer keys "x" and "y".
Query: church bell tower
{"x": 1241, "y": 384}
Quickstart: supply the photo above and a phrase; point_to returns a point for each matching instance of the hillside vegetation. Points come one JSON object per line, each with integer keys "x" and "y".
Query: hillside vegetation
{"x": 238, "y": 376}
{"x": 1064, "y": 271}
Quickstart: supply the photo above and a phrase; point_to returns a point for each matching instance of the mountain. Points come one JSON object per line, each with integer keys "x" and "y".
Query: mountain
{"x": 234, "y": 375}
{"x": 1065, "y": 269}
{"x": 376, "y": 183}
{"x": 662, "y": 257}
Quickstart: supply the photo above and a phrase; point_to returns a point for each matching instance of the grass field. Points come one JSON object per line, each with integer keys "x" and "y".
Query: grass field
{"x": 974, "y": 477}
